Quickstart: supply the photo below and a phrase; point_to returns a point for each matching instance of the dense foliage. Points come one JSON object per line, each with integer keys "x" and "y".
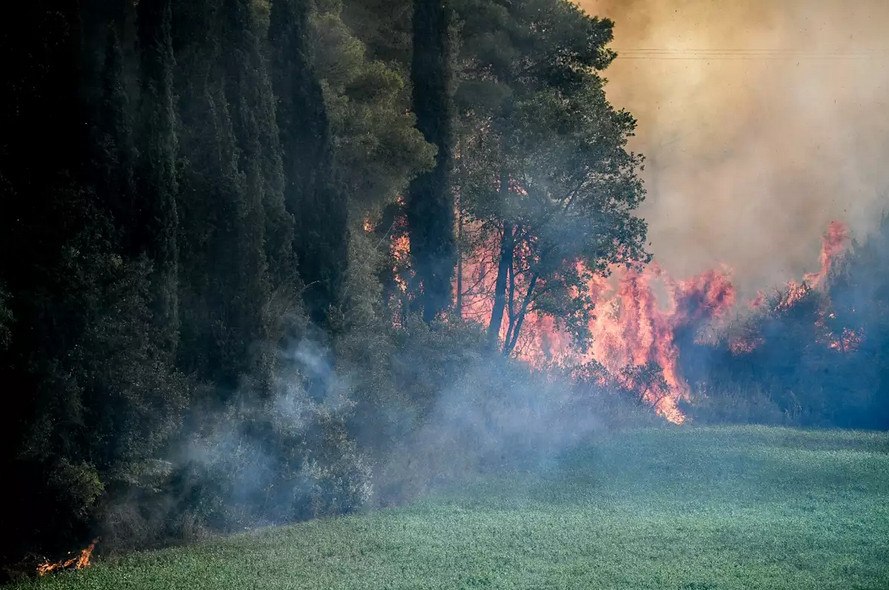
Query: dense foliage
{"x": 544, "y": 169}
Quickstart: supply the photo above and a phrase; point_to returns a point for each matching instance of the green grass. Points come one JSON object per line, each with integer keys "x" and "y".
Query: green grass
{"x": 707, "y": 508}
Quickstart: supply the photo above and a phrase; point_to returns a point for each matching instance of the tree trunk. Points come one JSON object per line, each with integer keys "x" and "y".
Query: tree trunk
{"x": 458, "y": 311}
{"x": 513, "y": 337}
{"x": 507, "y": 252}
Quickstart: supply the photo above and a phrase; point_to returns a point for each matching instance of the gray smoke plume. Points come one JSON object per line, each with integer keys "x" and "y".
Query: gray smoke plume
{"x": 762, "y": 121}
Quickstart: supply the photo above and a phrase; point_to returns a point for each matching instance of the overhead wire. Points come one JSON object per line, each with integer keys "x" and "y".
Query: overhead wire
{"x": 740, "y": 54}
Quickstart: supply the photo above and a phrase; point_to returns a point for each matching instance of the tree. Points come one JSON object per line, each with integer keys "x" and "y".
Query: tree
{"x": 430, "y": 204}
{"x": 158, "y": 220}
{"x": 544, "y": 166}
{"x": 311, "y": 192}
{"x": 376, "y": 147}
{"x": 237, "y": 261}
{"x": 89, "y": 342}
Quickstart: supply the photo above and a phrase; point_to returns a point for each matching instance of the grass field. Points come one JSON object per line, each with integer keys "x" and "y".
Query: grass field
{"x": 708, "y": 508}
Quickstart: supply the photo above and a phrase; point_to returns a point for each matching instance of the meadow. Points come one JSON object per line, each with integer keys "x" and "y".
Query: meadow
{"x": 672, "y": 508}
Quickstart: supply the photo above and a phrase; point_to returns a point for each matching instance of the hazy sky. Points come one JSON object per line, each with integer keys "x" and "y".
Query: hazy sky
{"x": 762, "y": 120}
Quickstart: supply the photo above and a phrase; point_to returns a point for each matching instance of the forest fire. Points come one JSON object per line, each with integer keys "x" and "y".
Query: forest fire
{"x": 76, "y": 562}
{"x": 637, "y": 316}
{"x": 833, "y": 244}
{"x": 634, "y": 326}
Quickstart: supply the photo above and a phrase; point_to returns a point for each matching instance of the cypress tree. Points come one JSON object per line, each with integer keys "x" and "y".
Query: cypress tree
{"x": 41, "y": 210}
{"x": 252, "y": 103}
{"x": 430, "y": 204}
{"x": 236, "y": 232}
{"x": 212, "y": 202}
{"x": 112, "y": 166}
{"x": 320, "y": 212}
{"x": 158, "y": 217}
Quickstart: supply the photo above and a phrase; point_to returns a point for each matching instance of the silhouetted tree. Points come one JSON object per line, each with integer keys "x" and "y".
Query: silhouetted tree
{"x": 430, "y": 203}
{"x": 158, "y": 219}
{"x": 310, "y": 192}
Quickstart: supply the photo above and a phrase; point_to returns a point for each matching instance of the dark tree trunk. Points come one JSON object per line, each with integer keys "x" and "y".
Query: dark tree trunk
{"x": 504, "y": 266}
{"x": 515, "y": 328}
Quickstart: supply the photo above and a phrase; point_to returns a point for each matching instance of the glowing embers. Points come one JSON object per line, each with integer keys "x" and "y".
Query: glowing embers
{"x": 76, "y": 562}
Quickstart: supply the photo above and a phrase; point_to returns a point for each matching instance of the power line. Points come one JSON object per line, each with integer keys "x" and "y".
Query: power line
{"x": 741, "y": 54}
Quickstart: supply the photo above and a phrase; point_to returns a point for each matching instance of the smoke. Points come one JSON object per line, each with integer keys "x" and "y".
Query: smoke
{"x": 497, "y": 414}
{"x": 761, "y": 122}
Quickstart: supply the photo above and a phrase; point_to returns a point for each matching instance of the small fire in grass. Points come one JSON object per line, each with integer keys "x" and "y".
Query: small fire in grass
{"x": 76, "y": 562}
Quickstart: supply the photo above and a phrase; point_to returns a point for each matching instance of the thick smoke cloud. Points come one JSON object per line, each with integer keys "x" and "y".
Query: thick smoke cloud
{"x": 761, "y": 120}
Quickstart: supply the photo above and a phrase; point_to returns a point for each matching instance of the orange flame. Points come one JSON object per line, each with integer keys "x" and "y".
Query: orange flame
{"x": 77, "y": 562}
{"x": 632, "y": 328}
{"x": 637, "y": 316}
{"x": 629, "y": 327}
{"x": 833, "y": 244}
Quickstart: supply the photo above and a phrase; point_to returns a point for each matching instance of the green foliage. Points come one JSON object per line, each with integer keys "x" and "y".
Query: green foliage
{"x": 157, "y": 221}
{"x": 238, "y": 262}
{"x": 376, "y": 146}
{"x": 288, "y": 458}
{"x": 384, "y": 26}
{"x": 311, "y": 193}
{"x": 80, "y": 485}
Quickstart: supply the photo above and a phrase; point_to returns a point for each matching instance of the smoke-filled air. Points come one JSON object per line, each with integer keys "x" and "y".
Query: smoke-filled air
{"x": 440, "y": 294}
{"x": 761, "y": 122}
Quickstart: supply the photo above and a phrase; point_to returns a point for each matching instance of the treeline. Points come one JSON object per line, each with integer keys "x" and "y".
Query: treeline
{"x": 204, "y": 323}
{"x": 810, "y": 355}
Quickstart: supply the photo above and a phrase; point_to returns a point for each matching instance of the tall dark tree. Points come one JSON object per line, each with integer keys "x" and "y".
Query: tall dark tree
{"x": 96, "y": 393}
{"x": 430, "y": 203}
{"x": 320, "y": 211}
{"x": 224, "y": 286}
{"x": 113, "y": 154}
{"x": 252, "y": 106}
{"x": 158, "y": 220}
{"x": 39, "y": 206}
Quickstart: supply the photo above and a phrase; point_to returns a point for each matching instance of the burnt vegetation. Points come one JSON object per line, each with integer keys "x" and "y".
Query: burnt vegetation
{"x": 232, "y": 285}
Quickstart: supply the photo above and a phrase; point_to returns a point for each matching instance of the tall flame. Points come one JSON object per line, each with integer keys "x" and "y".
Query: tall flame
{"x": 633, "y": 326}
{"x": 834, "y": 242}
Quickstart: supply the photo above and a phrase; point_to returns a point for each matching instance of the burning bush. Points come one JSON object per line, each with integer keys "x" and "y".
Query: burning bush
{"x": 814, "y": 353}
